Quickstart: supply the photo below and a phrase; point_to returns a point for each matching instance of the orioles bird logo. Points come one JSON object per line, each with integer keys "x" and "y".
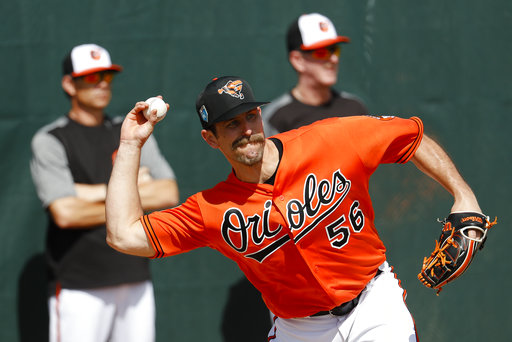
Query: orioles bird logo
{"x": 95, "y": 54}
{"x": 233, "y": 88}
{"x": 324, "y": 26}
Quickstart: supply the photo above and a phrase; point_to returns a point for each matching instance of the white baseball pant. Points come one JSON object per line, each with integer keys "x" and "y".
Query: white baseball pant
{"x": 122, "y": 313}
{"x": 380, "y": 316}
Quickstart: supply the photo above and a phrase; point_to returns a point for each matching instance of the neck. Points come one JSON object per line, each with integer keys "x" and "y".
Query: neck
{"x": 313, "y": 95}
{"x": 86, "y": 116}
{"x": 262, "y": 171}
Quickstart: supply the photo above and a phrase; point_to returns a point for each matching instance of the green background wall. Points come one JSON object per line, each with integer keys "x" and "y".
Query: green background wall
{"x": 445, "y": 61}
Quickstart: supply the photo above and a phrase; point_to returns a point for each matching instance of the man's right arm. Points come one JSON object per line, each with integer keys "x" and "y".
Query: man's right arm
{"x": 123, "y": 205}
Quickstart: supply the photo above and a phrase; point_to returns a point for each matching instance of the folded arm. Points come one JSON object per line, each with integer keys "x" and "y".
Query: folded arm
{"x": 74, "y": 212}
{"x": 87, "y": 208}
{"x": 158, "y": 194}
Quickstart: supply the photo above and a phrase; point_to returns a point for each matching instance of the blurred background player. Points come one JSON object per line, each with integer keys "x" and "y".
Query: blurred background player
{"x": 314, "y": 52}
{"x": 96, "y": 294}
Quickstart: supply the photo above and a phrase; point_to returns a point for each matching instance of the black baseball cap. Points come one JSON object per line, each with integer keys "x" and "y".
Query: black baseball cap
{"x": 312, "y": 31}
{"x": 224, "y": 98}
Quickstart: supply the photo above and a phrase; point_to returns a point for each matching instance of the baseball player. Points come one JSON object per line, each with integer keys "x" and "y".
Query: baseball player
{"x": 95, "y": 293}
{"x": 294, "y": 214}
{"x": 314, "y": 49}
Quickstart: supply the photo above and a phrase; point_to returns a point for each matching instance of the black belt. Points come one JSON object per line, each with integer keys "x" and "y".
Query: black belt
{"x": 344, "y": 308}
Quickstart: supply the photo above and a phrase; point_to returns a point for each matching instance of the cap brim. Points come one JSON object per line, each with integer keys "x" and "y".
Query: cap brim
{"x": 326, "y": 42}
{"x": 113, "y": 67}
{"x": 242, "y": 108}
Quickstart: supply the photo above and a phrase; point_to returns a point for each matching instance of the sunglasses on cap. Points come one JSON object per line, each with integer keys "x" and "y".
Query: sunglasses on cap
{"x": 97, "y": 77}
{"x": 325, "y": 53}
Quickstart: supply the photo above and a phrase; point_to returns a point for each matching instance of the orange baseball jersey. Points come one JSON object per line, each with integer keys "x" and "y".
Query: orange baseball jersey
{"x": 308, "y": 243}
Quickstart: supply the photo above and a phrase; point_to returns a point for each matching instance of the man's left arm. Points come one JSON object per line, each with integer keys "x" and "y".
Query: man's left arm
{"x": 432, "y": 160}
{"x": 465, "y": 228}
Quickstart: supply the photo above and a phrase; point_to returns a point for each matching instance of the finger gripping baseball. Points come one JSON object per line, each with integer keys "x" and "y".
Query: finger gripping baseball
{"x": 455, "y": 249}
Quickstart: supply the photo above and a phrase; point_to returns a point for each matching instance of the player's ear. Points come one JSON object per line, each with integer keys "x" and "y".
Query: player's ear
{"x": 296, "y": 60}
{"x": 210, "y": 138}
{"x": 68, "y": 85}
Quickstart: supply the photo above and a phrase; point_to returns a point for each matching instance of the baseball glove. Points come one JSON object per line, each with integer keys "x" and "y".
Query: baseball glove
{"x": 455, "y": 249}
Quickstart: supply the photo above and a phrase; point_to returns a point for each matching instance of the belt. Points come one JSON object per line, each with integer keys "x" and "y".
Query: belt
{"x": 344, "y": 308}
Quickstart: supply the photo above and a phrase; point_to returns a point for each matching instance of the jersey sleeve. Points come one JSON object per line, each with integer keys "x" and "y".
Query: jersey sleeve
{"x": 155, "y": 161}
{"x": 49, "y": 168}
{"x": 176, "y": 230}
{"x": 384, "y": 140}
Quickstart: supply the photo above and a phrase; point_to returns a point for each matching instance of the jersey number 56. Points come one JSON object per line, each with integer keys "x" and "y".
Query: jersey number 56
{"x": 338, "y": 234}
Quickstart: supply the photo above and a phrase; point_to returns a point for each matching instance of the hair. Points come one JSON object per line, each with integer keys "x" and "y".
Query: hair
{"x": 293, "y": 36}
{"x": 67, "y": 65}
{"x": 67, "y": 69}
{"x": 213, "y": 129}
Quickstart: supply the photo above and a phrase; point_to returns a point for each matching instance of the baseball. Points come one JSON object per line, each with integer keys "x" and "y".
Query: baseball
{"x": 158, "y": 104}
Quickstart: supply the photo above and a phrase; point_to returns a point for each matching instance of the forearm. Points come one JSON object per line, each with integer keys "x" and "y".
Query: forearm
{"x": 91, "y": 192}
{"x": 123, "y": 206}
{"x": 432, "y": 160}
{"x": 159, "y": 194}
{"x": 73, "y": 212}
{"x": 125, "y": 232}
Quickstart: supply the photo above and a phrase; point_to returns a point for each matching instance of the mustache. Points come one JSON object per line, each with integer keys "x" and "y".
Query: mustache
{"x": 257, "y": 138}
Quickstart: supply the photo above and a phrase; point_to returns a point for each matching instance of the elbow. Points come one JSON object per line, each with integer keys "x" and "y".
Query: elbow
{"x": 61, "y": 213}
{"x": 63, "y": 220}
{"x": 114, "y": 240}
{"x": 128, "y": 242}
{"x": 111, "y": 238}
{"x": 170, "y": 196}
{"x": 173, "y": 200}
{"x": 111, "y": 241}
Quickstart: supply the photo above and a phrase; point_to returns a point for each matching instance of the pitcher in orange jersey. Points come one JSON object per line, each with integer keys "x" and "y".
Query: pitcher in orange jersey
{"x": 295, "y": 213}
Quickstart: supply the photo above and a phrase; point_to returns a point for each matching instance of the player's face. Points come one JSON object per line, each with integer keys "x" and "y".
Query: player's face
{"x": 94, "y": 90}
{"x": 241, "y": 139}
{"x": 321, "y": 65}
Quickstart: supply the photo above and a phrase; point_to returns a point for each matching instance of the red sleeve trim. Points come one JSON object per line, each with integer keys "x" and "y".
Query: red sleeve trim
{"x": 414, "y": 146}
{"x": 152, "y": 237}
